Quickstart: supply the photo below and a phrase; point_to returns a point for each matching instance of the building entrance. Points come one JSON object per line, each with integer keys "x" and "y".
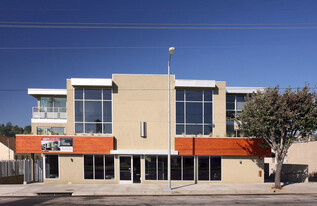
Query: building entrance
{"x": 130, "y": 169}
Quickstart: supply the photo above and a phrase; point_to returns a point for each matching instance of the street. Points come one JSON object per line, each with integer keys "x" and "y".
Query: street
{"x": 294, "y": 199}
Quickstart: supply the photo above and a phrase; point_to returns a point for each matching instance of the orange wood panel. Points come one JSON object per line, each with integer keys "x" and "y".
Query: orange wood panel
{"x": 222, "y": 146}
{"x": 81, "y": 145}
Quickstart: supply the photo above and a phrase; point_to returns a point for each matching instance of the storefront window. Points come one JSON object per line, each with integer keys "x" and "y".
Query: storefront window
{"x": 51, "y": 166}
{"x": 156, "y": 168}
{"x": 98, "y": 167}
{"x": 209, "y": 168}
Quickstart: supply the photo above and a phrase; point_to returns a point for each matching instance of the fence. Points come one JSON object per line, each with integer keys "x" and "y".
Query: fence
{"x": 22, "y": 167}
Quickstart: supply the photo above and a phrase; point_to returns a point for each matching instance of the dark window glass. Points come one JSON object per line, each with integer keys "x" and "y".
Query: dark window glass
{"x": 78, "y": 93}
{"x": 93, "y": 94}
{"x": 93, "y": 128}
{"x": 230, "y": 98}
{"x": 179, "y": 112}
{"x": 180, "y": 129}
{"x": 203, "y": 168}
{"x": 230, "y": 129}
{"x": 92, "y": 111}
{"x": 194, "y": 129}
{"x": 109, "y": 167}
{"x": 194, "y": 113}
{"x": 106, "y": 94}
{"x": 230, "y": 106}
{"x": 240, "y": 99}
{"x": 208, "y": 95}
{"x": 208, "y": 113}
{"x": 78, "y": 111}
{"x": 176, "y": 168}
{"x": 162, "y": 167}
{"x": 230, "y": 114}
{"x": 188, "y": 168}
{"x": 215, "y": 168}
{"x": 150, "y": 168}
{"x": 51, "y": 166}
{"x": 207, "y": 129}
{"x": 107, "y": 111}
{"x": 194, "y": 95}
{"x": 107, "y": 128}
{"x": 99, "y": 169}
{"x": 79, "y": 128}
{"x": 179, "y": 95}
{"x": 88, "y": 167}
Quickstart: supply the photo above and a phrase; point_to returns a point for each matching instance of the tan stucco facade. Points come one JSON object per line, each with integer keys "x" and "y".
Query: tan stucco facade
{"x": 144, "y": 98}
{"x": 242, "y": 170}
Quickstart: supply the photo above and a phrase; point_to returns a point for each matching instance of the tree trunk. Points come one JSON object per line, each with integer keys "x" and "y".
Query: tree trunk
{"x": 278, "y": 171}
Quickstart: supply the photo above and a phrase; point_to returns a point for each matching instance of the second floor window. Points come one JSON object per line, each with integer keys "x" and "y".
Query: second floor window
{"x": 194, "y": 112}
{"x": 235, "y": 104}
{"x": 93, "y": 110}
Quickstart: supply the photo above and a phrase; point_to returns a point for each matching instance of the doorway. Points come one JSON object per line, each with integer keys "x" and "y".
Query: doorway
{"x": 130, "y": 169}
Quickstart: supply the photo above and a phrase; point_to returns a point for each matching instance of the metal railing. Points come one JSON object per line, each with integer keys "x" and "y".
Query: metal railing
{"x": 49, "y": 113}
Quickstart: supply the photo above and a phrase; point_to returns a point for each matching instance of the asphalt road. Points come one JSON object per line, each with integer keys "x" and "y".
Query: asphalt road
{"x": 303, "y": 199}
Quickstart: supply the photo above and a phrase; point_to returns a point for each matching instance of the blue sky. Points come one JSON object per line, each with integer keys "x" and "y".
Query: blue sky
{"x": 241, "y": 57}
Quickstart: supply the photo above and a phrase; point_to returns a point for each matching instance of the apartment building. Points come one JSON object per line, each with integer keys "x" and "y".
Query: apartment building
{"x": 115, "y": 130}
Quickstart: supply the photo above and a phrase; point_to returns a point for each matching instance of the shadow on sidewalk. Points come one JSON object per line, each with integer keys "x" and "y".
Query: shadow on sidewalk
{"x": 178, "y": 187}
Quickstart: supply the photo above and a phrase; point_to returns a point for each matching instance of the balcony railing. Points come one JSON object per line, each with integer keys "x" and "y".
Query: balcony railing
{"x": 49, "y": 113}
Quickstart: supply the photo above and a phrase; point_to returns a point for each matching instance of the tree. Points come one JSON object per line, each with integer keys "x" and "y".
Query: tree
{"x": 9, "y": 130}
{"x": 280, "y": 118}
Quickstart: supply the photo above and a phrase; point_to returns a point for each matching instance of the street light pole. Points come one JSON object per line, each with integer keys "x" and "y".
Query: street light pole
{"x": 169, "y": 187}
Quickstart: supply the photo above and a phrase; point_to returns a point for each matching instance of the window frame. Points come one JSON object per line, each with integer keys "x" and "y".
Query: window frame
{"x": 209, "y": 168}
{"x": 182, "y": 167}
{"x": 203, "y": 102}
{"x": 236, "y": 111}
{"x": 83, "y": 100}
{"x": 59, "y": 166}
{"x": 104, "y": 168}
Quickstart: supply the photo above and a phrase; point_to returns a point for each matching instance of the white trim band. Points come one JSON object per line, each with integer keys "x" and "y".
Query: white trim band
{"x": 142, "y": 152}
{"x": 195, "y": 83}
{"x": 52, "y": 121}
{"x": 47, "y": 92}
{"x": 91, "y": 82}
{"x": 244, "y": 90}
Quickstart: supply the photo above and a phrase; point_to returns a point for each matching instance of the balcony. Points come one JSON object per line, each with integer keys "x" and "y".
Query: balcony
{"x": 49, "y": 114}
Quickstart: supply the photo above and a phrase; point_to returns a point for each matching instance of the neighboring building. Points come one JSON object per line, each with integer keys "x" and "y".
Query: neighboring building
{"x": 115, "y": 131}
{"x": 7, "y": 148}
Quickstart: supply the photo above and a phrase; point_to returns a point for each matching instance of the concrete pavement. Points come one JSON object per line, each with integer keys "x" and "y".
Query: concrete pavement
{"x": 154, "y": 189}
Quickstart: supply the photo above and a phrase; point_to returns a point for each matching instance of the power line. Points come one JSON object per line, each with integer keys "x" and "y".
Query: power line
{"x": 162, "y": 24}
{"x": 161, "y": 27}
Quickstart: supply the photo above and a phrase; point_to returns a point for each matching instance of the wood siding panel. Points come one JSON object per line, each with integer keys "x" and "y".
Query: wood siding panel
{"x": 221, "y": 146}
{"x": 81, "y": 145}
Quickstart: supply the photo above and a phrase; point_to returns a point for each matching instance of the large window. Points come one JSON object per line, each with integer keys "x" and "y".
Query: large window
{"x": 98, "y": 167}
{"x": 50, "y": 130}
{"x": 93, "y": 111}
{"x": 51, "y": 166}
{"x": 235, "y": 106}
{"x": 209, "y": 168}
{"x": 182, "y": 167}
{"x": 194, "y": 112}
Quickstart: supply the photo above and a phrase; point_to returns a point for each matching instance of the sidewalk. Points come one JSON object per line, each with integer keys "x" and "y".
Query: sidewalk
{"x": 155, "y": 189}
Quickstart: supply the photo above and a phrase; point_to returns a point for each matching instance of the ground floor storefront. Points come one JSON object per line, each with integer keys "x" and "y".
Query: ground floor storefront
{"x": 149, "y": 169}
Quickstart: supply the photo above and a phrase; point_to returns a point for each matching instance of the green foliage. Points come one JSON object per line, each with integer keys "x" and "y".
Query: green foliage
{"x": 10, "y": 131}
{"x": 280, "y": 118}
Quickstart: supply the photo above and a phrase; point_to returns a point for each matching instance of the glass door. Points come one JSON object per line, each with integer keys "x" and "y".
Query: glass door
{"x": 130, "y": 169}
{"x": 125, "y": 169}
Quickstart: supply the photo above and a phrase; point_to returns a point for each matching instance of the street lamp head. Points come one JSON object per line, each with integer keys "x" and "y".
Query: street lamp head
{"x": 171, "y": 50}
